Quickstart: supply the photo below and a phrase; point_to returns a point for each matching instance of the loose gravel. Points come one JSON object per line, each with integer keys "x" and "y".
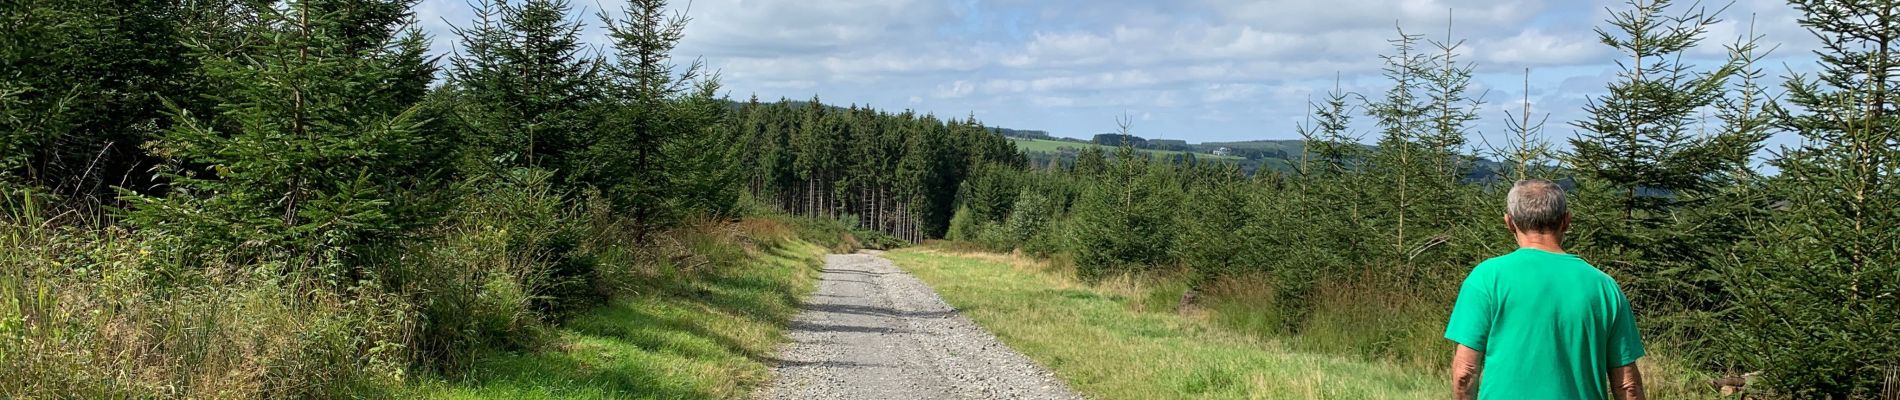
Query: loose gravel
{"x": 872, "y": 331}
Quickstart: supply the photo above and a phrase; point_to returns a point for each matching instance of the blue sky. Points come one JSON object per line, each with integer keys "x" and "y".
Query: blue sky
{"x": 1199, "y": 70}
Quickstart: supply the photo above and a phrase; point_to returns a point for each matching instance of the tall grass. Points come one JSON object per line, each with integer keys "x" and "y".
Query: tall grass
{"x": 1365, "y": 317}
{"x": 89, "y": 309}
{"x": 699, "y": 322}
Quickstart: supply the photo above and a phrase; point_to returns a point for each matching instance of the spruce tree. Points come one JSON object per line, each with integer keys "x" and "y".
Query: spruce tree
{"x": 644, "y": 116}
{"x": 1330, "y": 148}
{"x": 1817, "y": 293}
{"x": 1090, "y": 161}
{"x": 1212, "y": 222}
{"x": 83, "y": 84}
{"x": 1125, "y": 221}
{"x": 1640, "y": 160}
{"x": 324, "y": 140}
{"x": 529, "y": 86}
{"x": 1398, "y": 165}
{"x": 1525, "y": 154}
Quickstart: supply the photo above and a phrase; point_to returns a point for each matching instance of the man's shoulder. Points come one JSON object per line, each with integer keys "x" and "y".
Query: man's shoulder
{"x": 1500, "y": 261}
{"x": 1519, "y": 261}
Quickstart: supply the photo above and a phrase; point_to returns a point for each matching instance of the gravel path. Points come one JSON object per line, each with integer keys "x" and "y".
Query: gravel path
{"x": 872, "y": 331}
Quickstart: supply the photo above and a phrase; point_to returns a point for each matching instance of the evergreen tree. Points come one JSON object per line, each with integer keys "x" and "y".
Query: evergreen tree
{"x": 1525, "y": 154}
{"x": 527, "y": 86}
{"x": 1326, "y": 136}
{"x": 1212, "y": 221}
{"x": 1639, "y": 161}
{"x": 325, "y": 143}
{"x": 1398, "y": 165}
{"x": 646, "y": 114}
{"x": 1126, "y": 221}
{"x": 1816, "y": 285}
{"x": 1090, "y": 161}
{"x": 81, "y": 84}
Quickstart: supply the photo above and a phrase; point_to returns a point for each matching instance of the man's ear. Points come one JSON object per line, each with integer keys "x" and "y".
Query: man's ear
{"x": 1565, "y": 226}
{"x": 1512, "y": 226}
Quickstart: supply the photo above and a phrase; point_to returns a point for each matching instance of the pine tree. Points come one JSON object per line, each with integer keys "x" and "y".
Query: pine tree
{"x": 1213, "y": 220}
{"x": 82, "y": 87}
{"x": 326, "y": 139}
{"x": 1125, "y": 222}
{"x": 1816, "y": 284}
{"x": 1090, "y": 161}
{"x": 1326, "y": 136}
{"x": 1398, "y": 164}
{"x": 1639, "y": 159}
{"x": 628, "y": 159}
{"x": 1525, "y": 154}
{"x": 529, "y": 86}
{"x": 1452, "y": 110}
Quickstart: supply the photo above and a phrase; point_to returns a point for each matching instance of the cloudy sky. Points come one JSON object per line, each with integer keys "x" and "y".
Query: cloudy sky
{"x": 1200, "y": 70}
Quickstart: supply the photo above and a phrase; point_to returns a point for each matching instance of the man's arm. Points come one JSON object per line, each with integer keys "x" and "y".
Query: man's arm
{"x": 1466, "y": 365}
{"x": 1626, "y": 383}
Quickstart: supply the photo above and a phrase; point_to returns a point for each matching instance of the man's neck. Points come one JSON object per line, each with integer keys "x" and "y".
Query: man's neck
{"x": 1542, "y": 241}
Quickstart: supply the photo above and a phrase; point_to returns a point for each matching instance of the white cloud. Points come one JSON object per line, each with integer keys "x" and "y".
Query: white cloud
{"x": 1195, "y": 69}
{"x": 1534, "y": 47}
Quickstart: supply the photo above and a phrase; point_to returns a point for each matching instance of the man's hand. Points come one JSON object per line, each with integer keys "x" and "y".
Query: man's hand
{"x": 1466, "y": 365}
{"x": 1626, "y": 383}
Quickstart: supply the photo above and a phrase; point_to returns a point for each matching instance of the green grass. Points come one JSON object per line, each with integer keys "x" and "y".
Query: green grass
{"x": 1110, "y": 342}
{"x": 684, "y": 335}
{"x": 1052, "y": 146}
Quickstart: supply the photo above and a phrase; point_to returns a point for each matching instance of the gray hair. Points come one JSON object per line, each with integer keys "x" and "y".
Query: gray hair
{"x": 1537, "y": 205}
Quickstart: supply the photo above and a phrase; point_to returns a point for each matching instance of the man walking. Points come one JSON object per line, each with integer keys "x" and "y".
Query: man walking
{"x": 1539, "y": 323}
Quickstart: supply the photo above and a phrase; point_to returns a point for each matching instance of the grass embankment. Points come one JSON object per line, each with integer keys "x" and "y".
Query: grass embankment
{"x": 1124, "y": 339}
{"x": 90, "y": 310}
{"x": 1100, "y": 341}
{"x": 683, "y": 334}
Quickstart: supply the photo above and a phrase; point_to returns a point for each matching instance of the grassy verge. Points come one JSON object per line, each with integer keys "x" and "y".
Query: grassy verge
{"x": 680, "y": 333}
{"x": 1124, "y": 339}
{"x": 1102, "y": 342}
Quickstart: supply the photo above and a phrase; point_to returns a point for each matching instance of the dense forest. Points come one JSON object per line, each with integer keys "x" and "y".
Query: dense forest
{"x": 1790, "y": 274}
{"x": 295, "y": 199}
{"x": 891, "y": 173}
{"x": 236, "y": 198}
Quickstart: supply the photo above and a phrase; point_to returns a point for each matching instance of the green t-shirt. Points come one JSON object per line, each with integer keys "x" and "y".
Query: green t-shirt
{"x": 1550, "y": 325}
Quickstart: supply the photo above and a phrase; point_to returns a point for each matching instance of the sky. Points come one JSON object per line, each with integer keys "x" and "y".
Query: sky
{"x": 1196, "y": 70}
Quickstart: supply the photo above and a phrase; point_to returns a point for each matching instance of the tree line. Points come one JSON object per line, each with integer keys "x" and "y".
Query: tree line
{"x": 1789, "y": 273}
{"x": 891, "y": 173}
{"x": 320, "y": 204}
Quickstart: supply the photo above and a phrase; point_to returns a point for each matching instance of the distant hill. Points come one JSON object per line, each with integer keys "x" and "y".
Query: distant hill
{"x": 1023, "y": 134}
{"x": 1251, "y": 155}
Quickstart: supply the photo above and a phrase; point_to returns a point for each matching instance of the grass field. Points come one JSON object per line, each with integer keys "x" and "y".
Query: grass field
{"x": 1051, "y": 146}
{"x": 1094, "y": 340}
{"x": 687, "y": 335}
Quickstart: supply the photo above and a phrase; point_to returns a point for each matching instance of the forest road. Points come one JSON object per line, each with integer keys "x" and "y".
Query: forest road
{"x": 872, "y": 331}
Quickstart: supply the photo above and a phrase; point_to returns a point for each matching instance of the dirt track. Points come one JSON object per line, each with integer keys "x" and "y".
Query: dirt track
{"x": 872, "y": 331}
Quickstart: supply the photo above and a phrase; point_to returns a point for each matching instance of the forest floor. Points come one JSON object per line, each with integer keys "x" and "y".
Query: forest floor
{"x": 872, "y": 331}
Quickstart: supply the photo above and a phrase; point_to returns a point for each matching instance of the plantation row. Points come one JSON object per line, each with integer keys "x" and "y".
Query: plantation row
{"x": 240, "y": 199}
{"x": 897, "y": 174}
{"x": 1792, "y": 274}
